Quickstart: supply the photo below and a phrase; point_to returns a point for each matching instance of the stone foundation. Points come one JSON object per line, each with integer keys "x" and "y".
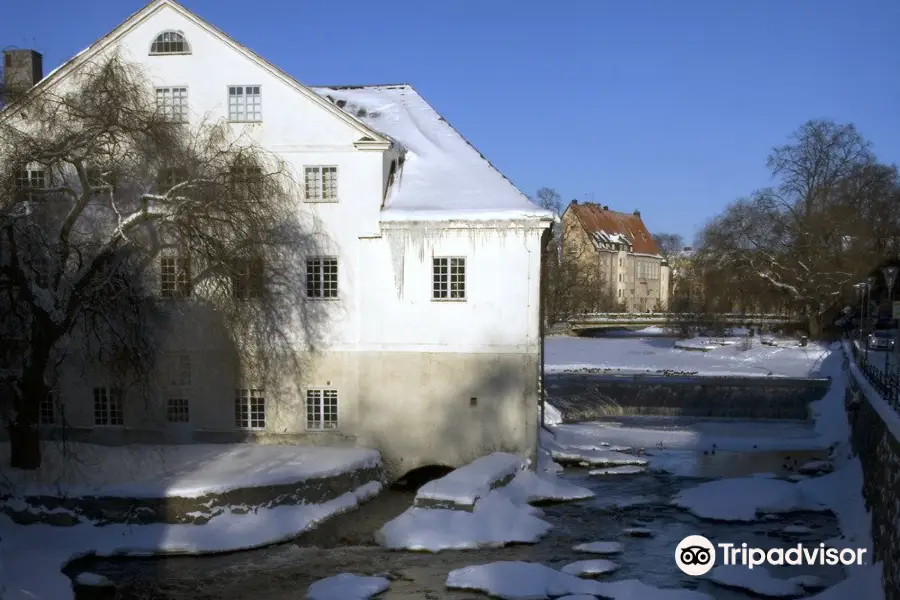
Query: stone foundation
{"x": 879, "y": 452}
{"x": 584, "y": 397}
{"x": 197, "y": 511}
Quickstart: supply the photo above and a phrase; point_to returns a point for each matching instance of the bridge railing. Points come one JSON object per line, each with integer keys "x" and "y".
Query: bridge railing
{"x": 886, "y": 383}
{"x": 675, "y": 317}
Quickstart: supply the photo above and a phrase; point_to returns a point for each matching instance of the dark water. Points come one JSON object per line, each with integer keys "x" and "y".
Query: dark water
{"x": 345, "y": 544}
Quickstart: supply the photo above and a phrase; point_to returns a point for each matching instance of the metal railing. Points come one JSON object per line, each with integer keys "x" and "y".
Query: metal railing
{"x": 886, "y": 383}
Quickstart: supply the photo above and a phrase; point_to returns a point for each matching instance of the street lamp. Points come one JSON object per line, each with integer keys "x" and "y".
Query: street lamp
{"x": 890, "y": 277}
{"x": 859, "y": 296}
{"x": 870, "y": 283}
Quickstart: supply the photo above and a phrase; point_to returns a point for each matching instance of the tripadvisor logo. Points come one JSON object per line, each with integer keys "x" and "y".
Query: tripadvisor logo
{"x": 695, "y": 555}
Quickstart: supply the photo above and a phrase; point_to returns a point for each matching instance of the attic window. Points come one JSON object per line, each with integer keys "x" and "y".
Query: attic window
{"x": 170, "y": 42}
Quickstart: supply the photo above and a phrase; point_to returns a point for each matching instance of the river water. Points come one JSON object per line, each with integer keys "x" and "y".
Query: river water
{"x": 346, "y": 544}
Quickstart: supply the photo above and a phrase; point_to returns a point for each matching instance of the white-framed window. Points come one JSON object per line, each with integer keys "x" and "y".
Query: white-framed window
{"x": 30, "y": 183}
{"x": 174, "y": 277}
{"x": 247, "y": 278}
{"x": 250, "y": 408}
{"x": 322, "y": 277}
{"x": 448, "y": 281}
{"x": 49, "y": 408}
{"x": 108, "y": 409}
{"x": 169, "y": 177}
{"x": 170, "y": 42}
{"x": 244, "y": 103}
{"x": 178, "y": 410}
{"x": 172, "y": 103}
{"x": 321, "y": 409}
{"x": 320, "y": 184}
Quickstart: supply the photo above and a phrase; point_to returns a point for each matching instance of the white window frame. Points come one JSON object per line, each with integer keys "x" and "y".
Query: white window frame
{"x": 172, "y": 103}
{"x": 248, "y": 278}
{"x": 246, "y": 401}
{"x": 315, "y": 186}
{"x": 109, "y": 409}
{"x": 177, "y": 406}
{"x": 323, "y": 288}
{"x": 239, "y": 105}
{"x": 322, "y": 409}
{"x": 160, "y": 38}
{"x": 174, "y": 276}
{"x": 30, "y": 182}
{"x": 443, "y": 271}
{"x": 49, "y": 409}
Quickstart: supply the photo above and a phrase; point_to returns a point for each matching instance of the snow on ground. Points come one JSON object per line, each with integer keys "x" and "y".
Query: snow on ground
{"x": 757, "y": 580}
{"x": 590, "y": 568}
{"x": 595, "y": 457}
{"x": 32, "y": 555}
{"x": 744, "y": 498}
{"x": 600, "y": 547}
{"x": 347, "y": 586}
{"x": 443, "y": 176}
{"x": 552, "y": 416}
{"x": 515, "y": 580}
{"x": 189, "y": 470}
{"x": 657, "y": 355}
{"x": 500, "y": 517}
{"x": 473, "y": 481}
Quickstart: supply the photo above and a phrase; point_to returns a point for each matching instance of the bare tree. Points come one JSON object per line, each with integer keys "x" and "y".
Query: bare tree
{"x": 670, "y": 244}
{"x": 806, "y": 237}
{"x": 119, "y": 226}
{"x": 549, "y": 199}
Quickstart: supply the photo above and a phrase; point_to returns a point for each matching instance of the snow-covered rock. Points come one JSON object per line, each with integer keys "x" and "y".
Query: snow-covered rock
{"x": 599, "y": 547}
{"x": 757, "y": 580}
{"x": 552, "y": 415}
{"x": 466, "y": 485}
{"x": 590, "y": 568}
{"x": 347, "y": 586}
{"x": 796, "y": 529}
{"x": 515, "y": 580}
{"x": 595, "y": 457}
{"x": 744, "y": 498}
{"x": 816, "y": 467}
{"x": 532, "y": 487}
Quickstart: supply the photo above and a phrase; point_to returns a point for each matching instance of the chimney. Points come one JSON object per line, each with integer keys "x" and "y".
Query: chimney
{"x": 637, "y": 213}
{"x": 22, "y": 69}
{"x": 605, "y": 207}
{"x": 575, "y": 202}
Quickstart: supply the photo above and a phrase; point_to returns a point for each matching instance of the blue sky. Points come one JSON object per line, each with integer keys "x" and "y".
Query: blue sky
{"x": 669, "y": 107}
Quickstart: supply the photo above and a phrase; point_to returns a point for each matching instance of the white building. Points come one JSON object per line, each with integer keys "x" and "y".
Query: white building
{"x": 431, "y": 284}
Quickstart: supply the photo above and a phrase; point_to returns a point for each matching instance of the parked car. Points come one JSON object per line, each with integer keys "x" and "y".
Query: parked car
{"x": 882, "y": 339}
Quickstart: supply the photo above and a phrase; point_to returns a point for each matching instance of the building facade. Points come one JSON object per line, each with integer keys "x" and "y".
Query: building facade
{"x": 426, "y": 292}
{"x": 619, "y": 247}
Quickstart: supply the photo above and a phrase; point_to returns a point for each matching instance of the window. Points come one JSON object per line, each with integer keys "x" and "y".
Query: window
{"x": 108, "y": 407}
{"x": 321, "y": 409}
{"x": 321, "y": 184}
{"x": 30, "y": 182}
{"x": 322, "y": 277}
{"x": 244, "y": 103}
{"x": 170, "y": 42}
{"x": 247, "y": 278}
{"x": 48, "y": 409}
{"x": 171, "y": 103}
{"x": 246, "y": 180}
{"x": 250, "y": 409}
{"x": 169, "y": 177}
{"x": 178, "y": 410}
{"x": 174, "y": 277}
{"x": 449, "y": 279}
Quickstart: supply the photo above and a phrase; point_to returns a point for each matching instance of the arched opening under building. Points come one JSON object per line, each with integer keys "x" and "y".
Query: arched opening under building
{"x": 416, "y": 478}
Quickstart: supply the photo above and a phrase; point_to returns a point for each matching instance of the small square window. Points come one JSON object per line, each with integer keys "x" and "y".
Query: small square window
{"x": 172, "y": 103}
{"x": 178, "y": 410}
{"x": 174, "y": 277}
{"x": 448, "y": 279}
{"x": 108, "y": 410}
{"x": 322, "y": 277}
{"x": 244, "y": 103}
{"x": 321, "y": 409}
{"x": 320, "y": 184}
{"x": 250, "y": 409}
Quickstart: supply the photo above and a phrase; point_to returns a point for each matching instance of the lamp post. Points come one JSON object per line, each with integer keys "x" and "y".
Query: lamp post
{"x": 859, "y": 298}
{"x": 890, "y": 277}
{"x": 870, "y": 283}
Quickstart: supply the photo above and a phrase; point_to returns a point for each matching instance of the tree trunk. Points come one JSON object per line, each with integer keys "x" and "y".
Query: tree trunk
{"x": 24, "y": 435}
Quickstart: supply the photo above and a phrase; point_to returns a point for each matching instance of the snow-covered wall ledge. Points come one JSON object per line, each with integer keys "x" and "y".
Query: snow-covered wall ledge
{"x": 875, "y": 434}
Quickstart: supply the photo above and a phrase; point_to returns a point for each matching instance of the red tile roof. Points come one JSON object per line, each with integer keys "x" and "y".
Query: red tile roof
{"x": 595, "y": 219}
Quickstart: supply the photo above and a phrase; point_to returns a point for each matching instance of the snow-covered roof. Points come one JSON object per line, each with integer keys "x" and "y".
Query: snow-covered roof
{"x": 443, "y": 176}
{"x": 604, "y": 237}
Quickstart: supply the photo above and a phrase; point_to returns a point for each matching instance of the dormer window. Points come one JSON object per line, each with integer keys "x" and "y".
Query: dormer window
{"x": 170, "y": 42}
